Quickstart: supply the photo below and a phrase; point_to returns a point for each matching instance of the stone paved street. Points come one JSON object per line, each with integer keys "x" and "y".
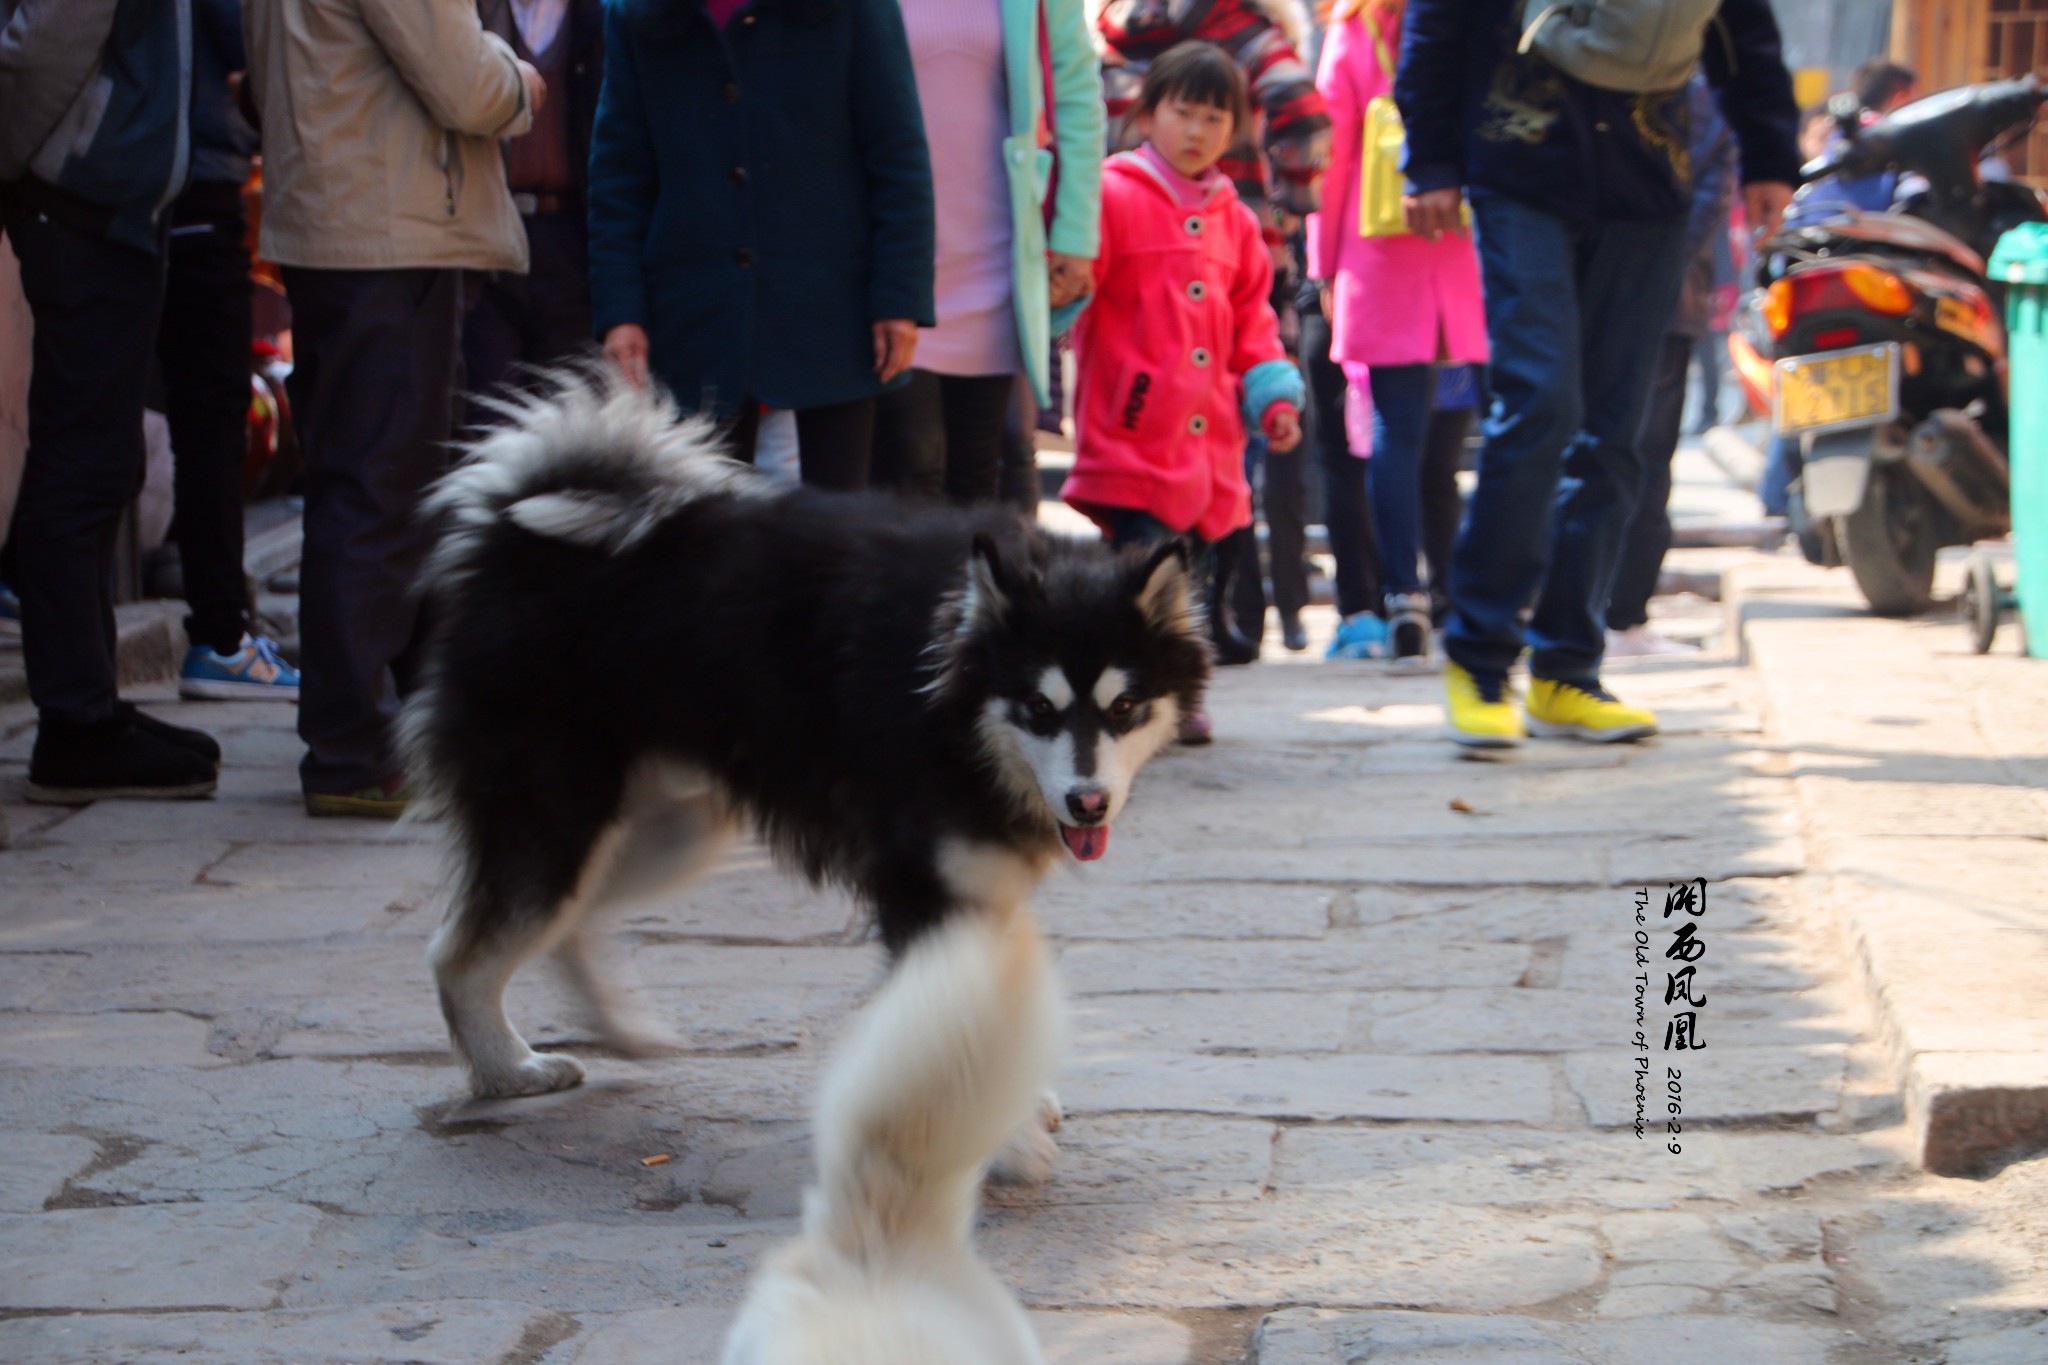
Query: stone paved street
{"x": 1351, "y": 1076}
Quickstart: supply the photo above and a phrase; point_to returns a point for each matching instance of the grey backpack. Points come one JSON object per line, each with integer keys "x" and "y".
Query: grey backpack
{"x": 1637, "y": 45}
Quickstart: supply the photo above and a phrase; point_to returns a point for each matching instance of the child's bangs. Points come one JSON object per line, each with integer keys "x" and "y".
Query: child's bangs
{"x": 1197, "y": 73}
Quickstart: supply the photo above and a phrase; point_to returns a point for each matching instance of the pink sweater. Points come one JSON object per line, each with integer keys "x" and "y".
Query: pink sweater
{"x": 1397, "y": 300}
{"x": 956, "y": 48}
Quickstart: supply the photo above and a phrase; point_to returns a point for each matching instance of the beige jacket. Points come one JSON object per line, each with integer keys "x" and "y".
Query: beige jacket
{"x": 380, "y": 127}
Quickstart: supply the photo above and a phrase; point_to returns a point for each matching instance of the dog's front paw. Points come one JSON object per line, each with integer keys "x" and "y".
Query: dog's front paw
{"x": 541, "y": 1073}
{"x": 1028, "y": 1157}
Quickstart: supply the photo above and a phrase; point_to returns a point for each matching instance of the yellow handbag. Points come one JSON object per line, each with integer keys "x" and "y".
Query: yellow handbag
{"x": 1379, "y": 172}
{"x": 1380, "y": 182}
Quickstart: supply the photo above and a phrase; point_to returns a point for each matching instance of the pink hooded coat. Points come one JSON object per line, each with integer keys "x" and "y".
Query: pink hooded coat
{"x": 1180, "y": 314}
{"x": 1398, "y": 300}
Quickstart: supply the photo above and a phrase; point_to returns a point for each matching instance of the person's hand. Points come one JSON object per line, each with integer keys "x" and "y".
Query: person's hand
{"x": 536, "y": 86}
{"x": 1283, "y": 428}
{"x": 1434, "y": 212}
{"x": 1069, "y": 277}
{"x": 895, "y": 344}
{"x": 1323, "y": 298}
{"x": 626, "y": 347}
{"x": 1763, "y": 206}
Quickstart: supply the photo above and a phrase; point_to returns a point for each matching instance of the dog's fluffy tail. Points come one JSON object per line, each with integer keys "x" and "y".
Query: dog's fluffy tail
{"x": 585, "y": 458}
{"x": 946, "y": 1062}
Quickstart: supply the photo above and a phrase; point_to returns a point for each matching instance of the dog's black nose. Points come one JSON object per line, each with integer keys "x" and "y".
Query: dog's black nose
{"x": 1088, "y": 806}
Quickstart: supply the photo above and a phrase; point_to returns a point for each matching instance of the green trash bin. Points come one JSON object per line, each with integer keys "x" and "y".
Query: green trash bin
{"x": 2021, "y": 264}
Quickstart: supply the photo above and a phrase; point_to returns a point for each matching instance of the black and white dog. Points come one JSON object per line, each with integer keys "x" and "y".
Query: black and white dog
{"x": 639, "y": 643}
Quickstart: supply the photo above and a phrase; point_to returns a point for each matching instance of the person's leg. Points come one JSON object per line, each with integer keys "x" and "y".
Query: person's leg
{"x": 373, "y": 392}
{"x": 558, "y": 323}
{"x": 1286, "y": 535}
{"x": 1443, "y": 450}
{"x": 1710, "y": 351}
{"x": 1627, "y": 281}
{"x": 493, "y": 343}
{"x": 1527, "y": 260}
{"x": 1781, "y": 466}
{"x": 1237, "y": 615}
{"x": 95, "y": 306}
{"x": 835, "y": 444}
{"x": 1403, "y": 397}
{"x": 910, "y": 437}
{"x": 1346, "y": 519}
{"x": 1648, "y": 534}
{"x": 1019, "y": 477}
{"x": 203, "y": 346}
{"x": 975, "y": 406}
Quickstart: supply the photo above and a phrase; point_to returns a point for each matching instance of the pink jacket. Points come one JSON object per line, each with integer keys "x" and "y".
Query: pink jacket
{"x": 1398, "y": 300}
{"x": 1180, "y": 316}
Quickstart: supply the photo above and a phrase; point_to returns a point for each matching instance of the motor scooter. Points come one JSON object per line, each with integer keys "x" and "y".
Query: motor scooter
{"x": 1883, "y": 342}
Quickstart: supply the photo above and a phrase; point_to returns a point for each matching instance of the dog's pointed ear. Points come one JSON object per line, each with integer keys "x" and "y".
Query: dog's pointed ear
{"x": 1163, "y": 592}
{"x": 990, "y": 585}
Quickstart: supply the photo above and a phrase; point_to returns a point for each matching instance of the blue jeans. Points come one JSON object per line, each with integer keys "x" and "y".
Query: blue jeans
{"x": 1781, "y": 466}
{"x": 1403, "y": 396}
{"x": 1576, "y": 312}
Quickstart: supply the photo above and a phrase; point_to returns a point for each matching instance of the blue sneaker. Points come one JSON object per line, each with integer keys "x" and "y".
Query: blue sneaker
{"x": 252, "y": 673}
{"x": 1359, "y": 636}
{"x": 10, "y": 614}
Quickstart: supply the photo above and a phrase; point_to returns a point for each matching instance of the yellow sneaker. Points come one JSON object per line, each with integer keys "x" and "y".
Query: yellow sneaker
{"x": 1587, "y": 711}
{"x": 1481, "y": 714}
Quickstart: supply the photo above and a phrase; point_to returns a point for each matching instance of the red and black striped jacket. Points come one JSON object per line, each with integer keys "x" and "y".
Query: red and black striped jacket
{"x": 1264, "y": 36}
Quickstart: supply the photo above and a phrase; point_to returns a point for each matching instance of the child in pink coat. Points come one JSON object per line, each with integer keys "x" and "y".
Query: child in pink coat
{"x": 1180, "y": 338}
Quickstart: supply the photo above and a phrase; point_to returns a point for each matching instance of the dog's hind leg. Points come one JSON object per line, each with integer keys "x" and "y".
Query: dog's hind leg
{"x": 673, "y": 827}
{"x": 511, "y": 907}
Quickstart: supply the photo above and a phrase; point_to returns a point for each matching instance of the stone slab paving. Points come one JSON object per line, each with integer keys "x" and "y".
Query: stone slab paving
{"x": 1922, "y": 770}
{"x": 1350, "y": 1076}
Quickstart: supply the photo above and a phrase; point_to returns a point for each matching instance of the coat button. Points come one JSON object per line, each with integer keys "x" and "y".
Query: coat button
{"x": 1197, "y": 290}
{"x": 1198, "y": 424}
{"x": 739, "y": 177}
{"x": 746, "y": 21}
{"x": 1193, "y": 224}
{"x": 745, "y": 257}
{"x": 1200, "y": 355}
{"x": 732, "y": 94}
{"x": 1602, "y": 127}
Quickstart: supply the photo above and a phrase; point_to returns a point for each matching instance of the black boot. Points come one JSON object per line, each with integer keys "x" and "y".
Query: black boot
{"x": 75, "y": 764}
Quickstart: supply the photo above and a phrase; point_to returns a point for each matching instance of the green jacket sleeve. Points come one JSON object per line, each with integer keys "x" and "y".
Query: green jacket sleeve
{"x": 1078, "y": 122}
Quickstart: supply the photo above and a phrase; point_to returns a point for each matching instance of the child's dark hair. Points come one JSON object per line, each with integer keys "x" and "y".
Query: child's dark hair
{"x": 1199, "y": 73}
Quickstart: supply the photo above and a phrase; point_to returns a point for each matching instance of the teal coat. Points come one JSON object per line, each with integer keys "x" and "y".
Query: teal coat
{"x": 1077, "y": 125}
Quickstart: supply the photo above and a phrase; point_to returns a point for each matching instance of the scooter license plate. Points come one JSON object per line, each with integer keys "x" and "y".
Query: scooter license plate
{"x": 1836, "y": 389}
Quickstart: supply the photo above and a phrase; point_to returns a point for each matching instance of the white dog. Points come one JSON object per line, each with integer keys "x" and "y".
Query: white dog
{"x": 947, "y": 1061}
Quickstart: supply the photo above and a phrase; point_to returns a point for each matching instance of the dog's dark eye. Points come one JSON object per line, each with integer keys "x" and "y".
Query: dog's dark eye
{"x": 1122, "y": 706}
{"x": 1041, "y": 707}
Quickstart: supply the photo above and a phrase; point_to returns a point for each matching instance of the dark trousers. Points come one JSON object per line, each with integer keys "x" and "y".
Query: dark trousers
{"x": 1443, "y": 507}
{"x": 373, "y": 391}
{"x": 95, "y": 305}
{"x": 1649, "y": 529}
{"x": 203, "y": 346}
{"x": 1403, "y": 402}
{"x": 1347, "y": 514}
{"x": 1018, "y": 480}
{"x": 1576, "y": 312}
{"x": 834, "y": 443}
{"x": 538, "y": 318}
{"x": 941, "y": 435}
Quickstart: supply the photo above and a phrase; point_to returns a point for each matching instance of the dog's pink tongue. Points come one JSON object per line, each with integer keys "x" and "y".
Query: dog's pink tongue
{"x": 1086, "y": 842}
